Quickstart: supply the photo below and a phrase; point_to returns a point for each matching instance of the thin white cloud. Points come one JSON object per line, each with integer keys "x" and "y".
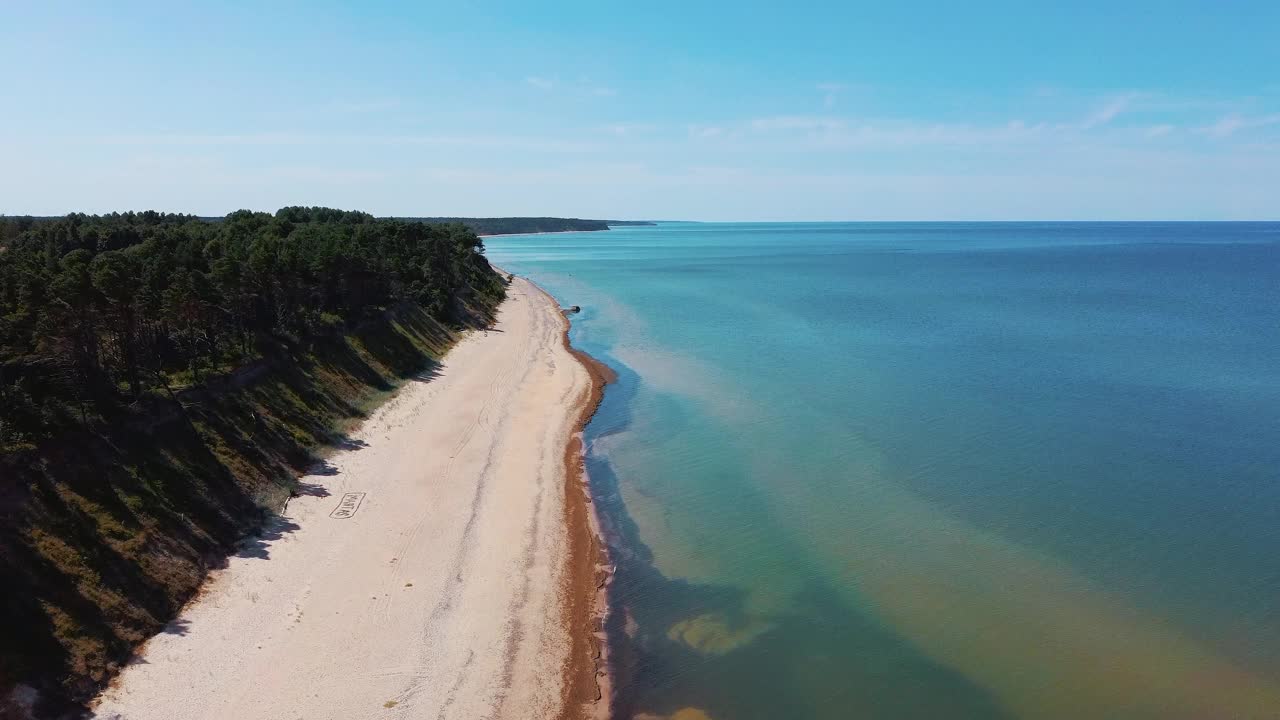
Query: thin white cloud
{"x": 203, "y": 139}
{"x": 797, "y": 122}
{"x": 627, "y": 129}
{"x": 1233, "y": 123}
{"x": 705, "y": 131}
{"x": 604, "y": 92}
{"x": 513, "y": 142}
{"x": 834, "y": 133}
{"x": 828, "y": 131}
{"x": 1108, "y": 112}
{"x": 542, "y": 83}
{"x": 1226, "y": 126}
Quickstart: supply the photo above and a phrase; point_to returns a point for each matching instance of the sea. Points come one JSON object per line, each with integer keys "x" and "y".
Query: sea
{"x": 934, "y": 470}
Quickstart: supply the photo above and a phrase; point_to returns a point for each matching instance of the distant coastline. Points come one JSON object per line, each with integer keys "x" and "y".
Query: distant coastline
{"x": 530, "y": 225}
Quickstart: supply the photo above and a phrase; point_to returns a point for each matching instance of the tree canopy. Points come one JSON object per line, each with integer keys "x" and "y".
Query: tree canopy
{"x": 101, "y": 310}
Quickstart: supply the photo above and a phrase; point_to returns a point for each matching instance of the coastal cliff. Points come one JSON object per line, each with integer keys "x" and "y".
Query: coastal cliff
{"x": 426, "y": 569}
{"x": 117, "y": 502}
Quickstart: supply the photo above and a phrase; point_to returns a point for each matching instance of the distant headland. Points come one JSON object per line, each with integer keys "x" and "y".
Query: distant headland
{"x": 522, "y": 225}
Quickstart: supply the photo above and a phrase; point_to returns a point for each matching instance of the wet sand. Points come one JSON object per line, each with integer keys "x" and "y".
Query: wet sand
{"x": 445, "y": 566}
{"x": 589, "y": 682}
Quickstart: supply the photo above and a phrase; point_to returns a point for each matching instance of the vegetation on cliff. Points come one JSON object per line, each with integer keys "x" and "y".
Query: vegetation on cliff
{"x": 96, "y": 311}
{"x": 162, "y": 381}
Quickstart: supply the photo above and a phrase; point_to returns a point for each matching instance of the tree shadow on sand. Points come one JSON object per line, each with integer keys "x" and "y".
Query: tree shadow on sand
{"x": 346, "y": 442}
{"x": 306, "y": 489}
{"x": 431, "y": 373}
{"x": 177, "y": 626}
{"x": 259, "y": 546}
{"x": 323, "y": 468}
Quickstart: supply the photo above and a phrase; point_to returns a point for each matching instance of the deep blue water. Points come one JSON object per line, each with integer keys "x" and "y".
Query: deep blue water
{"x": 935, "y": 470}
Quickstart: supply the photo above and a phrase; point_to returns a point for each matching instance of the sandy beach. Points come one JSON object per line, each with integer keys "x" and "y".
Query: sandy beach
{"x": 442, "y": 567}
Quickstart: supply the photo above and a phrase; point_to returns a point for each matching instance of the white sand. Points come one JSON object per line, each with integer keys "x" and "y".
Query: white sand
{"x": 439, "y": 598}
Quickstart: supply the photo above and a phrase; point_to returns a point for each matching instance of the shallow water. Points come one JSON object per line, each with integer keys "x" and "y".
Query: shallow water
{"x": 946, "y": 470}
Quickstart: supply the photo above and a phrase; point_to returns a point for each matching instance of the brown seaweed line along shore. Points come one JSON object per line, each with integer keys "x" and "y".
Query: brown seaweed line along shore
{"x": 588, "y": 684}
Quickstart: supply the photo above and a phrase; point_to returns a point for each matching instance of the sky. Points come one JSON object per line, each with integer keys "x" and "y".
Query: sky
{"x": 646, "y": 110}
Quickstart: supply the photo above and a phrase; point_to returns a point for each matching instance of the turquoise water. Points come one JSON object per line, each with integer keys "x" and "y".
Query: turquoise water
{"x": 1014, "y": 470}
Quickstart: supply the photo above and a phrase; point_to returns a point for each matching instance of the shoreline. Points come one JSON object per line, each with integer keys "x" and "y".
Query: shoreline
{"x": 591, "y": 572}
{"x": 588, "y": 682}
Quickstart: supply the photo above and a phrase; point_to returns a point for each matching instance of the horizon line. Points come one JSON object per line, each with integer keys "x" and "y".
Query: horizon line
{"x": 6, "y": 214}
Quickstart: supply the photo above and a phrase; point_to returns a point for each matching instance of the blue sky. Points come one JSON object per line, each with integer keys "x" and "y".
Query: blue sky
{"x": 734, "y": 111}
